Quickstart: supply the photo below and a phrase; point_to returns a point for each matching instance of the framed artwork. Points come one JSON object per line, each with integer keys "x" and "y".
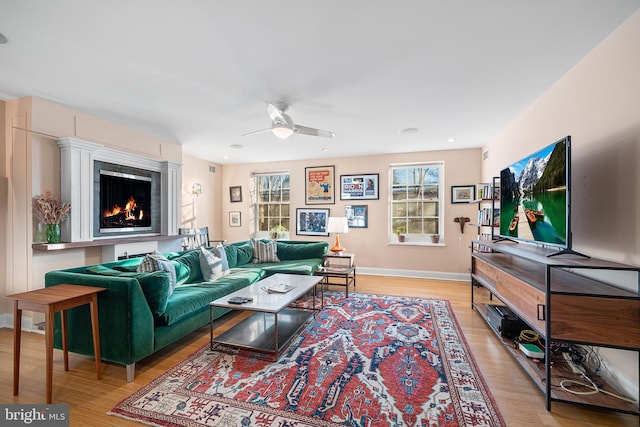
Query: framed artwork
{"x": 357, "y": 216}
{"x": 359, "y": 187}
{"x": 312, "y": 222}
{"x": 462, "y": 193}
{"x": 319, "y": 185}
{"x": 234, "y": 219}
{"x": 235, "y": 193}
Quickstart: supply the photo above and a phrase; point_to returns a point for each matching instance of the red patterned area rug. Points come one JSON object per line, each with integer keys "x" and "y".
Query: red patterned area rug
{"x": 366, "y": 360}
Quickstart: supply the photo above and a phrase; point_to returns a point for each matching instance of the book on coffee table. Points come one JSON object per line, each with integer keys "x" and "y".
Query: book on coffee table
{"x": 281, "y": 288}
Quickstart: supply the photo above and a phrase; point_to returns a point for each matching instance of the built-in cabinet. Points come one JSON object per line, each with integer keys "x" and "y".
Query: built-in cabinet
{"x": 566, "y": 300}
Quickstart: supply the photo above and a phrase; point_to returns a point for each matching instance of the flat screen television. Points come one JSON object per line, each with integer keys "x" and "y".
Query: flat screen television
{"x": 535, "y": 198}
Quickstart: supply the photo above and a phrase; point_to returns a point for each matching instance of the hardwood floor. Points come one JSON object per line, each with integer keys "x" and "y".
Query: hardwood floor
{"x": 519, "y": 401}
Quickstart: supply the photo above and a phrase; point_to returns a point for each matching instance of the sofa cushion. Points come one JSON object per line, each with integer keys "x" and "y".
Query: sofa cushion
{"x": 245, "y": 253}
{"x": 156, "y": 286}
{"x": 299, "y": 266}
{"x": 264, "y": 251}
{"x": 210, "y": 265}
{"x": 189, "y": 261}
{"x": 307, "y": 250}
{"x": 157, "y": 262}
{"x": 189, "y": 299}
{"x": 231, "y": 251}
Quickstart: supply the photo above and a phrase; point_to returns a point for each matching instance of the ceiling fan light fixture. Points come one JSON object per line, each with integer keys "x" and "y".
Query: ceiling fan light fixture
{"x": 282, "y": 132}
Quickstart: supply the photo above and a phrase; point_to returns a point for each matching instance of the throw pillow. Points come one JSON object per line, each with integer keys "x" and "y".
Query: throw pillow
{"x": 222, "y": 254}
{"x": 245, "y": 253}
{"x": 155, "y": 287}
{"x": 190, "y": 261}
{"x": 157, "y": 262}
{"x": 264, "y": 251}
{"x": 210, "y": 265}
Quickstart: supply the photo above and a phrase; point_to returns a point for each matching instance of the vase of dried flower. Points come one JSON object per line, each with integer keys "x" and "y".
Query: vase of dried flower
{"x": 53, "y": 233}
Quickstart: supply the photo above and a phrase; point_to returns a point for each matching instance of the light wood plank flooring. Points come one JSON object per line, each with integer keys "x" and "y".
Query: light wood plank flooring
{"x": 517, "y": 398}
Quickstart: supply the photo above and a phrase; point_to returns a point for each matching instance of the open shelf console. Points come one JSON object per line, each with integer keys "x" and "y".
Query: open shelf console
{"x": 566, "y": 300}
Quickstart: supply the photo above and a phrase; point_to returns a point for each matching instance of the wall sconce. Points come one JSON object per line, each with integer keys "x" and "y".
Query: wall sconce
{"x": 196, "y": 189}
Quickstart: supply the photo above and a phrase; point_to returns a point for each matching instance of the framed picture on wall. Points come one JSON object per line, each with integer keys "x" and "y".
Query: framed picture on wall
{"x": 359, "y": 187}
{"x": 235, "y": 194}
{"x": 462, "y": 193}
{"x": 319, "y": 185}
{"x": 357, "y": 216}
{"x": 234, "y": 219}
{"x": 312, "y": 222}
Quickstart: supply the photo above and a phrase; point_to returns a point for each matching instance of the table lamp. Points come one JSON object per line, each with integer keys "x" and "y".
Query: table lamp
{"x": 337, "y": 224}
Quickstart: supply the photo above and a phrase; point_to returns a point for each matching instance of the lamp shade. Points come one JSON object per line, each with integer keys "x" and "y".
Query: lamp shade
{"x": 338, "y": 224}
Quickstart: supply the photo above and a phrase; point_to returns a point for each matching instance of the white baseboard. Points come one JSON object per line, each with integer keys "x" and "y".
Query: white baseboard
{"x": 419, "y": 274}
{"x": 6, "y": 321}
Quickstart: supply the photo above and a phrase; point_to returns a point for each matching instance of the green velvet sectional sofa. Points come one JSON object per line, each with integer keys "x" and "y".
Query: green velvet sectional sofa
{"x": 136, "y": 316}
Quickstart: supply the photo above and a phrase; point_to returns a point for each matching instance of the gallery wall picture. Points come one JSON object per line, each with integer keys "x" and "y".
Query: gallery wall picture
{"x": 360, "y": 187}
{"x": 319, "y": 185}
{"x": 357, "y": 216}
{"x": 312, "y": 222}
{"x": 235, "y": 194}
{"x": 235, "y": 219}
{"x": 462, "y": 193}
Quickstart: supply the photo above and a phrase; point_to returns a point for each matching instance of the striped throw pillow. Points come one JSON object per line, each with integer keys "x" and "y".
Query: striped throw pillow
{"x": 264, "y": 251}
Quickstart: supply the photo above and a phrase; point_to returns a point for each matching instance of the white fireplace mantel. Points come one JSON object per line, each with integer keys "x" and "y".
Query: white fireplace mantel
{"x": 76, "y": 185}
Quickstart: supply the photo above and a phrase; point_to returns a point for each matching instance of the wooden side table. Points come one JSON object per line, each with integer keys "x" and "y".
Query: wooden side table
{"x": 48, "y": 301}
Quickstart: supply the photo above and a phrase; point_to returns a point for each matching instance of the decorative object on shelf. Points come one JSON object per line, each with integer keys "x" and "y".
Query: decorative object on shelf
{"x": 435, "y": 238}
{"x": 400, "y": 231}
{"x": 312, "y": 222}
{"x": 51, "y": 212}
{"x": 196, "y": 189}
{"x": 319, "y": 185}
{"x": 462, "y": 193}
{"x": 234, "y": 219}
{"x": 359, "y": 187}
{"x": 462, "y": 220}
{"x": 338, "y": 224}
{"x": 357, "y": 216}
{"x": 235, "y": 194}
{"x": 277, "y": 231}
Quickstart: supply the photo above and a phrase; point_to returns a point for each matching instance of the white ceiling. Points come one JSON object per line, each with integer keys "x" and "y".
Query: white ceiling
{"x": 198, "y": 71}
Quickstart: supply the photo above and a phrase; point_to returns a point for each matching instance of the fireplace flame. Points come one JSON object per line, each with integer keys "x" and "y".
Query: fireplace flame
{"x": 130, "y": 211}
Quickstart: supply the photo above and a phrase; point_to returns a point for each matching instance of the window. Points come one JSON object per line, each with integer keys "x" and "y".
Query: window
{"x": 416, "y": 200}
{"x": 272, "y": 196}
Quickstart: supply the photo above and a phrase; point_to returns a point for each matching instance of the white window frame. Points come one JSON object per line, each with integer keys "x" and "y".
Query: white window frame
{"x": 265, "y": 234}
{"x": 417, "y": 238}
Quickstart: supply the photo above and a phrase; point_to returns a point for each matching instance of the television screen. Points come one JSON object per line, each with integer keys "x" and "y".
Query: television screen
{"x": 534, "y": 197}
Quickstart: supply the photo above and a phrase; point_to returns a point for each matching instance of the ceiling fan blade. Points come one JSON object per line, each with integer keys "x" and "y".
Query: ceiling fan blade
{"x": 276, "y": 113}
{"x": 313, "y": 132}
{"x": 257, "y": 131}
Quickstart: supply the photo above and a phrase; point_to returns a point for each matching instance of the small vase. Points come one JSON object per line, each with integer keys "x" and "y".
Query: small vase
{"x": 53, "y": 233}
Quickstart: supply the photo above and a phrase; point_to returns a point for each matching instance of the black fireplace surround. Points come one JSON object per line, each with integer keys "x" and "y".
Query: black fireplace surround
{"x": 126, "y": 200}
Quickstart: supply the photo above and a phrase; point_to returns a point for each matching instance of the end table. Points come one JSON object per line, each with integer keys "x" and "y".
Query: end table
{"x": 341, "y": 267}
{"x": 50, "y": 300}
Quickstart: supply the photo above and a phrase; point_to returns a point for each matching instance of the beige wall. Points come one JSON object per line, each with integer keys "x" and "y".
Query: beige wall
{"x": 598, "y": 104}
{"x": 31, "y": 161}
{"x": 204, "y": 210}
{"x": 371, "y": 245}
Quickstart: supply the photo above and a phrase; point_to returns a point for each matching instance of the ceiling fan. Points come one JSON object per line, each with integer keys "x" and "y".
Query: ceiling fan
{"x": 283, "y": 127}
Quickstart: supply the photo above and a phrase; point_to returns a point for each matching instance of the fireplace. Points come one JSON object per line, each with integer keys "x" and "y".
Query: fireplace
{"x": 124, "y": 200}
